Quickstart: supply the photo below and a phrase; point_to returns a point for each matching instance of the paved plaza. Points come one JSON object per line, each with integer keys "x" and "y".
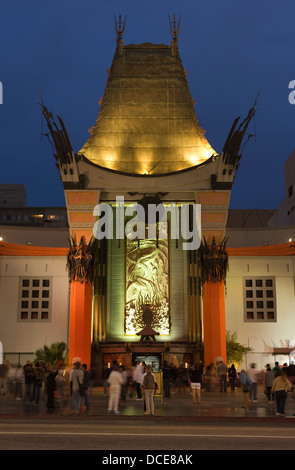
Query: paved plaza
{"x": 214, "y": 405}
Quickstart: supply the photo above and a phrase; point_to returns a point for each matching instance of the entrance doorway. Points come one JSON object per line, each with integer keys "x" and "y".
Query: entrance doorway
{"x": 153, "y": 361}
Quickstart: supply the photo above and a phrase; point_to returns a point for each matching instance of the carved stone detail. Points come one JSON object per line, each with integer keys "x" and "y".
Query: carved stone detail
{"x": 80, "y": 260}
{"x": 213, "y": 261}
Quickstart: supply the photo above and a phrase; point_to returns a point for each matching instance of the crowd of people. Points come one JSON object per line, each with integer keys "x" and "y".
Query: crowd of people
{"x": 277, "y": 382}
{"x": 62, "y": 388}
{"x": 68, "y": 389}
{"x": 140, "y": 382}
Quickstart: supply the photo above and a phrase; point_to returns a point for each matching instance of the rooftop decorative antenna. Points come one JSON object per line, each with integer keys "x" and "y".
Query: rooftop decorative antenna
{"x": 174, "y": 27}
{"x": 120, "y": 27}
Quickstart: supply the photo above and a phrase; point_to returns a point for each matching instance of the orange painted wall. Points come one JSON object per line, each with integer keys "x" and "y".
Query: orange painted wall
{"x": 214, "y": 321}
{"x": 80, "y": 322}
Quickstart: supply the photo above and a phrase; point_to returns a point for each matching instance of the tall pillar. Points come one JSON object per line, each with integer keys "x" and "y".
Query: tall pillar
{"x": 214, "y": 321}
{"x": 80, "y": 322}
{"x": 214, "y": 265}
{"x": 80, "y": 265}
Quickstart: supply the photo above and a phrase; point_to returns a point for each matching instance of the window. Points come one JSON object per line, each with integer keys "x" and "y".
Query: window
{"x": 35, "y": 299}
{"x": 259, "y": 299}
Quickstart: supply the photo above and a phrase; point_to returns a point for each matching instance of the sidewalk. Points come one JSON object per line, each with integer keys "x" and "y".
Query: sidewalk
{"x": 214, "y": 406}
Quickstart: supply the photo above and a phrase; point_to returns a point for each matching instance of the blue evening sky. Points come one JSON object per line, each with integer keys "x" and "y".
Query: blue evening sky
{"x": 232, "y": 50}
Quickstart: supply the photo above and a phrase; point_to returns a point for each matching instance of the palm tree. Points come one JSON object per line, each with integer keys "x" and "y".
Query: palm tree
{"x": 57, "y": 352}
{"x": 235, "y": 352}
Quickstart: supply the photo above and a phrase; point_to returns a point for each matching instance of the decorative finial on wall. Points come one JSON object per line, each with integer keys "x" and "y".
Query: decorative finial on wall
{"x": 174, "y": 27}
{"x": 120, "y": 27}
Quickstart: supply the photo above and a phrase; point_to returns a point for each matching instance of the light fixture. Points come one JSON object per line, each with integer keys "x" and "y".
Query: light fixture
{"x": 290, "y": 239}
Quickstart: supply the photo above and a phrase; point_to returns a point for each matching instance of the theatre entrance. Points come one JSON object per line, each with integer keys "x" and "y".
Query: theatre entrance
{"x": 155, "y": 361}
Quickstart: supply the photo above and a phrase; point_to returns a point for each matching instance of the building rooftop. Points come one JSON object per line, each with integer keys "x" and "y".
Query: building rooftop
{"x": 147, "y": 122}
{"x": 249, "y": 218}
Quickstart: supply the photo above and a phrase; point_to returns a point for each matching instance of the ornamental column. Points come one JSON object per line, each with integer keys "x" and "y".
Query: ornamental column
{"x": 214, "y": 265}
{"x": 80, "y": 266}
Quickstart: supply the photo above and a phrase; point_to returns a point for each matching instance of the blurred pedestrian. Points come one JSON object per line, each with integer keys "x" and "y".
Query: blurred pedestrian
{"x": 105, "y": 375}
{"x": 60, "y": 382}
{"x": 3, "y": 377}
{"x": 209, "y": 378}
{"x": 166, "y": 379}
{"x": 38, "y": 382}
{"x": 130, "y": 384}
{"x": 285, "y": 368}
{"x": 19, "y": 377}
{"x": 76, "y": 379}
{"x": 277, "y": 370}
{"x": 10, "y": 380}
{"x": 222, "y": 374}
{"x": 115, "y": 382}
{"x": 291, "y": 374}
{"x": 245, "y": 384}
{"x": 269, "y": 377}
{"x": 138, "y": 377}
{"x": 253, "y": 374}
{"x": 196, "y": 383}
{"x": 29, "y": 380}
{"x": 181, "y": 378}
{"x": 124, "y": 384}
{"x": 51, "y": 373}
{"x": 280, "y": 387}
{"x": 173, "y": 374}
{"x": 232, "y": 376}
{"x": 201, "y": 367}
{"x": 86, "y": 381}
{"x": 149, "y": 384}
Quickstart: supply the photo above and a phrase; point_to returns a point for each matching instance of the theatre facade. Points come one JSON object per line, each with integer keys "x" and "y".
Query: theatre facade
{"x": 112, "y": 293}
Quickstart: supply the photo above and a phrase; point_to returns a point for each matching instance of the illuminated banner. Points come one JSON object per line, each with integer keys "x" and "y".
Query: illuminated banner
{"x": 147, "y": 286}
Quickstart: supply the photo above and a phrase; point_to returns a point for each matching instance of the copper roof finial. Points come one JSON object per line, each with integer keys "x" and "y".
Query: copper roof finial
{"x": 174, "y": 27}
{"x": 120, "y": 27}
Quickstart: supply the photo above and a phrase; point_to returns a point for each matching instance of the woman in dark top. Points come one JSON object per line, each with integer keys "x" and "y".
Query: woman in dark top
{"x": 196, "y": 380}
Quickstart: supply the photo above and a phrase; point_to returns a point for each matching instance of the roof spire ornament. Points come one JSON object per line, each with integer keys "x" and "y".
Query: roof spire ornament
{"x": 174, "y": 27}
{"x": 120, "y": 27}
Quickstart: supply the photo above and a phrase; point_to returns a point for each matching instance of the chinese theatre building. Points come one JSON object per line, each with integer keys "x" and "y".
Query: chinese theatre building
{"x": 150, "y": 298}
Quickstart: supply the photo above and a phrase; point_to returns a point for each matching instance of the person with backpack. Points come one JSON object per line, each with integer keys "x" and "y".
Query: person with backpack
{"x": 149, "y": 384}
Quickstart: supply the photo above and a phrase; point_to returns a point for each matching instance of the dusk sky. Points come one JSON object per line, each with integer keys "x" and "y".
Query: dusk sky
{"x": 232, "y": 50}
